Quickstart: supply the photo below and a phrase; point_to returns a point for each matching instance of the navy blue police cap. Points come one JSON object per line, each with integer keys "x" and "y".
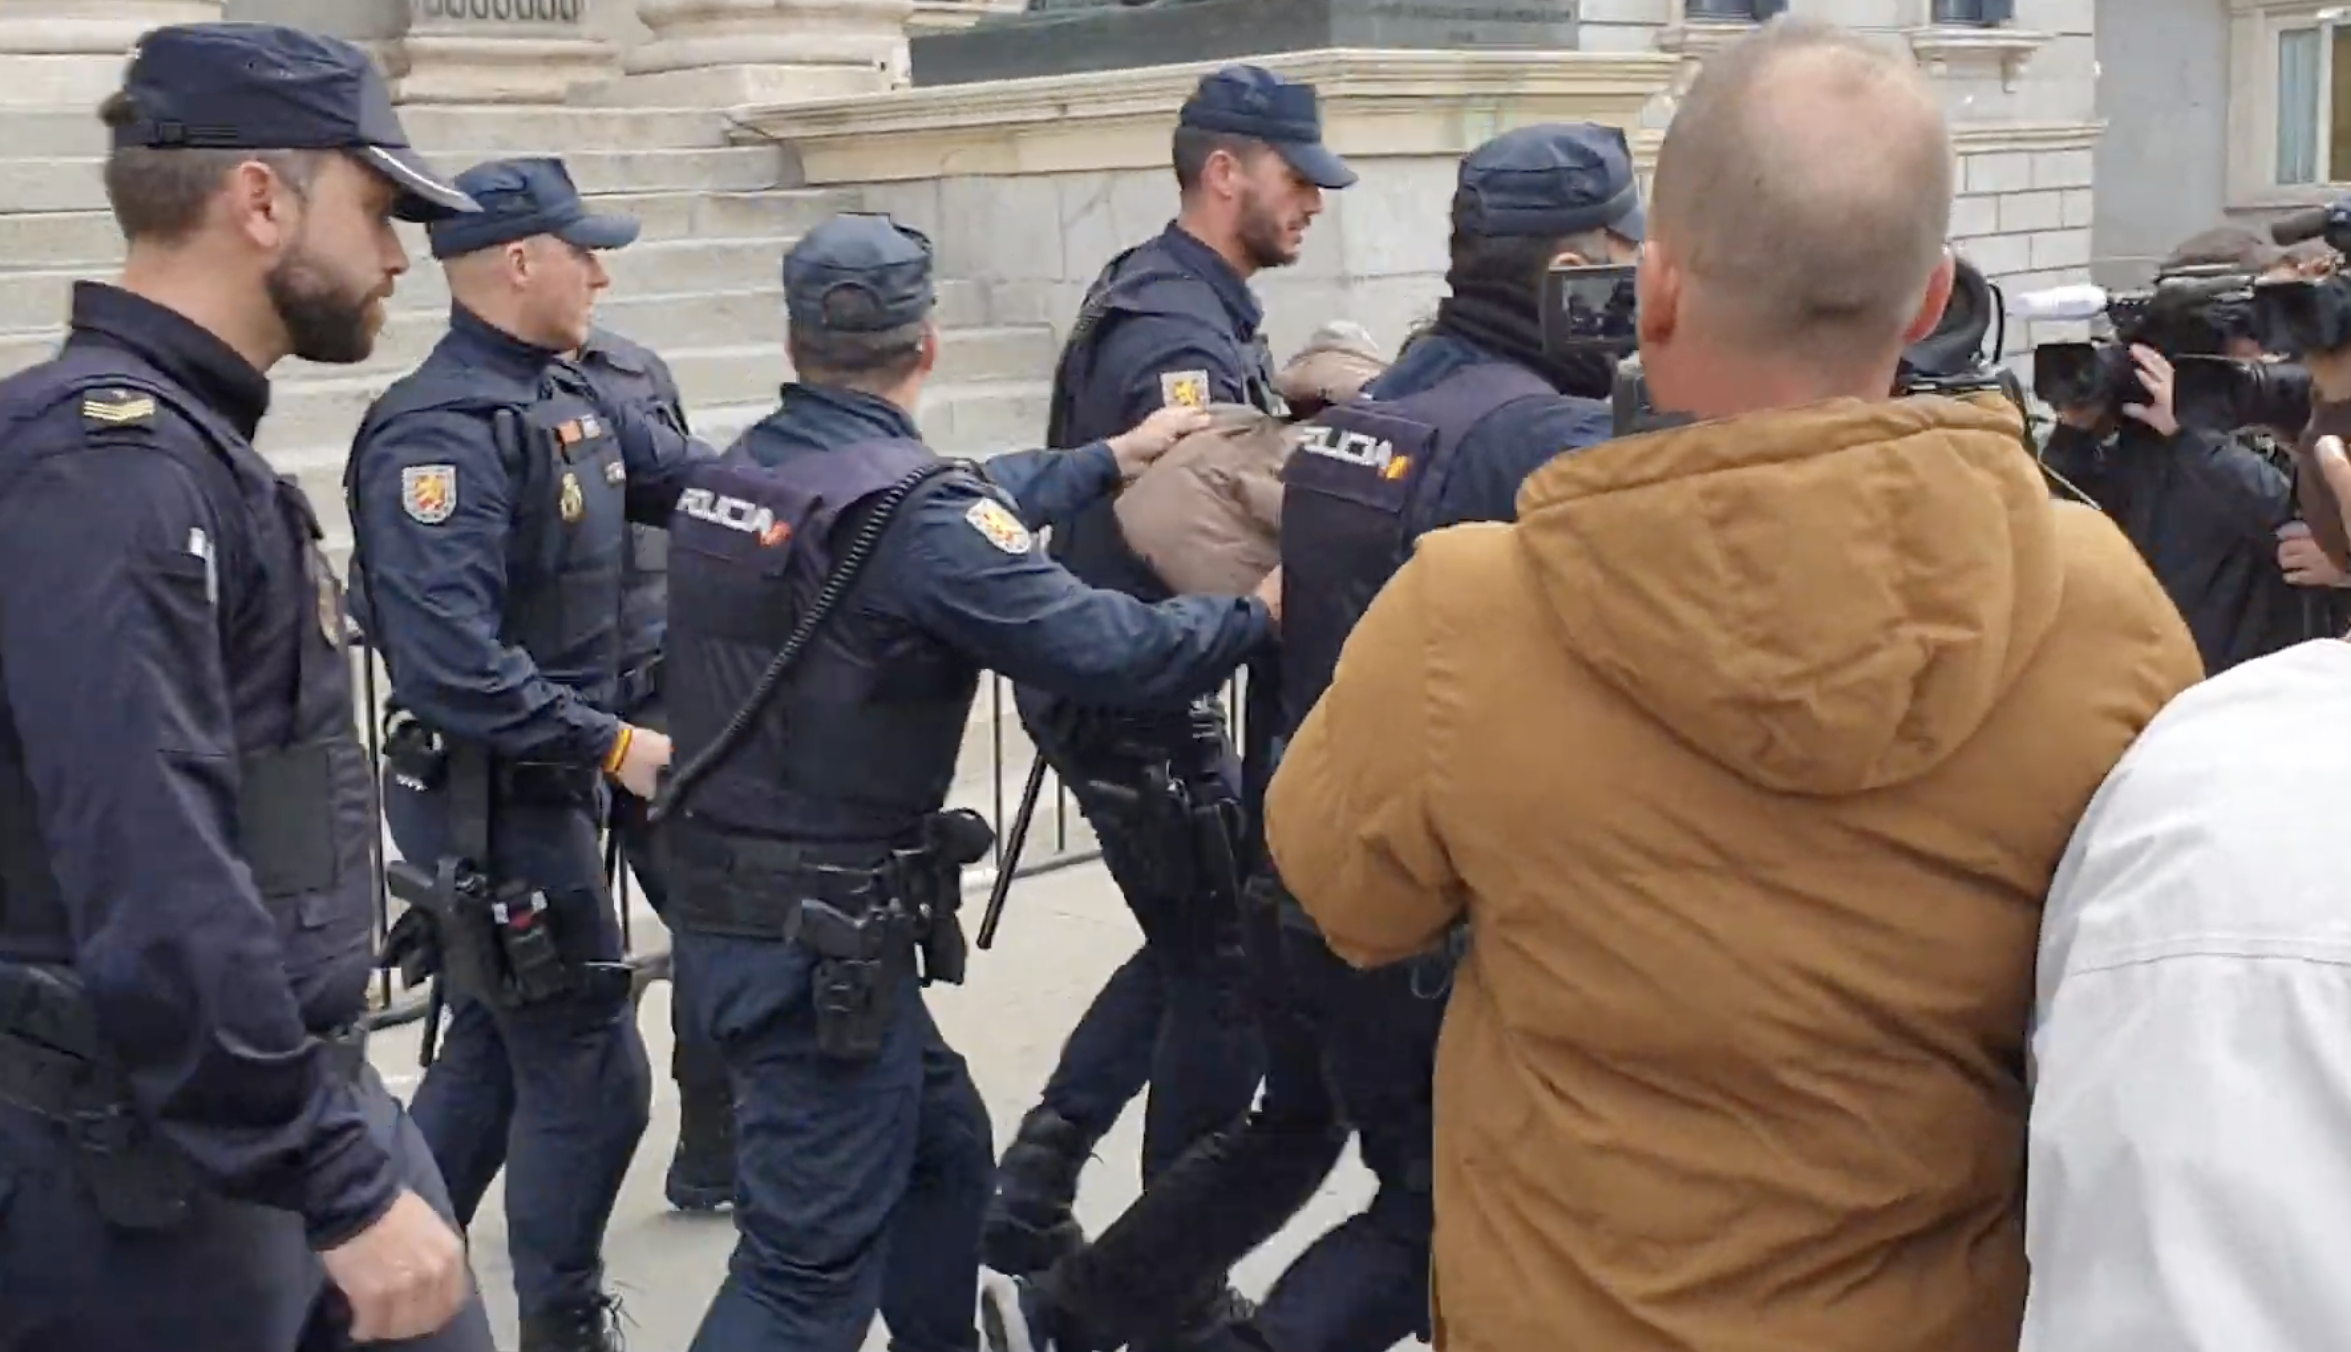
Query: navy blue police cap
{"x": 859, "y": 272}
{"x": 1550, "y": 180}
{"x": 1285, "y": 114}
{"x": 254, "y": 86}
{"x": 521, "y": 198}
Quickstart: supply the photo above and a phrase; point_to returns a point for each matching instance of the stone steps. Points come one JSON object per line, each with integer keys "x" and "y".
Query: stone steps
{"x": 46, "y": 184}
{"x": 975, "y": 418}
{"x": 672, "y": 315}
{"x": 85, "y": 240}
{"x": 489, "y": 129}
{"x": 318, "y": 409}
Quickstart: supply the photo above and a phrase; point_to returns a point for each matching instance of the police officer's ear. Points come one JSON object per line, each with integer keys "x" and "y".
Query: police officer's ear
{"x": 265, "y": 204}
{"x": 930, "y": 346}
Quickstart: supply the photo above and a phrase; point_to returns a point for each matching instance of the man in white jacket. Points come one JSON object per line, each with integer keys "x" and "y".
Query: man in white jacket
{"x": 2189, "y": 1187}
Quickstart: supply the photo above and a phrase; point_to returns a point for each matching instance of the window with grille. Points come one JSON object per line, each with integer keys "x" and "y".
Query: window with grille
{"x": 1974, "y": 13}
{"x": 1732, "y": 11}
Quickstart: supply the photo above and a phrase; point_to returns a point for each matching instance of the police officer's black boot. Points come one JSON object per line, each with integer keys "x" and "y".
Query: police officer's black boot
{"x": 1029, "y": 1224}
{"x": 592, "y": 1327}
{"x": 702, "y": 1172}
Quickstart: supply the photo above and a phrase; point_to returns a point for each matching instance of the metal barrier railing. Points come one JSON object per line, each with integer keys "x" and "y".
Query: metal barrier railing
{"x": 1058, "y": 840}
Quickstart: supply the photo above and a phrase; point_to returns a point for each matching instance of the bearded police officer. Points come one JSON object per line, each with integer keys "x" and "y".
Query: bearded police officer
{"x": 1169, "y": 322}
{"x": 835, "y": 591}
{"x": 492, "y": 494}
{"x": 193, "y": 1149}
{"x": 1444, "y": 436}
{"x": 702, "y": 1168}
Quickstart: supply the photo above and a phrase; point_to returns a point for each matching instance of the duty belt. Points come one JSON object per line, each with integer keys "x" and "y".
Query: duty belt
{"x": 63, "y": 1087}
{"x": 747, "y": 887}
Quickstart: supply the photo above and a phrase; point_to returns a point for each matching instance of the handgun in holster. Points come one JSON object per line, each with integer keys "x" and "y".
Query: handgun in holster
{"x": 494, "y": 942}
{"x": 54, "y": 1065}
{"x": 929, "y": 879}
{"x": 855, "y": 981}
{"x": 414, "y": 754}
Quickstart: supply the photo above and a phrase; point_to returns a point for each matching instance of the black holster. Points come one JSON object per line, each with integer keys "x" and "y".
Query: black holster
{"x": 1190, "y": 830}
{"x": 495, "y": 939}
{"x": 860, "y": 962}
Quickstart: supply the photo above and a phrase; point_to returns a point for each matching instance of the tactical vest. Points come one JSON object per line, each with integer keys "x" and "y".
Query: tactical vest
{"x": 860, "y": 743}
{"x": 1090, "y": 543}
{"x": 1352, "y": 496}
{"x": 306, "y": 816}
{"x": 569, "y": 528}
{"x": 645, "y": 566}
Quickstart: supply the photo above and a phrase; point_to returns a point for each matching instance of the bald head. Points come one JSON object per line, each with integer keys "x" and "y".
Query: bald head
{"x": 1805, "y": 188}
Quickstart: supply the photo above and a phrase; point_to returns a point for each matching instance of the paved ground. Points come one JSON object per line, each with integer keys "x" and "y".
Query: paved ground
{"x": 1063, "y": 935}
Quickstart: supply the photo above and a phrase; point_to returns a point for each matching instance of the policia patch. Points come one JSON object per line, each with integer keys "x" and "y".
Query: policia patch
{"x": 428, "y": 493}
{"x": 1002, "y": 528}
{"x": 1183, "y": 389}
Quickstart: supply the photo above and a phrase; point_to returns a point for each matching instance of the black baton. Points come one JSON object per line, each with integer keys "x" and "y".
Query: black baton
{"x": 1009, "y": 862}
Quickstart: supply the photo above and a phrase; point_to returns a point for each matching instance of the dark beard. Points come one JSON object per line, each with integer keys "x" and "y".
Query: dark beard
{"x": 1261, "y": 237}
{"x": 322, "y": 325}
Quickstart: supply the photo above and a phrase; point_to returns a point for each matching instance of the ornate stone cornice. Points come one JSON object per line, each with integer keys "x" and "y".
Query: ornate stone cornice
{"x": 1374, "y": 103}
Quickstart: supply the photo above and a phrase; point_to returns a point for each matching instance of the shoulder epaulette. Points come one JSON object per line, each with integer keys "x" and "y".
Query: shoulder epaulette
{"x": 117, "y": 408}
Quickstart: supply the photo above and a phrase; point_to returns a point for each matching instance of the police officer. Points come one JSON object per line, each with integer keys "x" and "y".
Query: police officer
{"x": 835, "y": 591}
{"x": 1169, "y": 322}
{"x": 1466, "y": 413}
{"x": 702, "y": 1169}
{"x": 492, "y": 490}
{"x": 194, "y": 1152}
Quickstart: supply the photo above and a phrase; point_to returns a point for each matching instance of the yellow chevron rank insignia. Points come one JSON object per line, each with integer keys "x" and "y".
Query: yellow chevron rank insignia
{"x": 117, "y": 408}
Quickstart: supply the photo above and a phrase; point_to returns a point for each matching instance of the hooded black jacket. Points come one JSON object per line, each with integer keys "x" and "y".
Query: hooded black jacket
{"x": 2204, "y": 511}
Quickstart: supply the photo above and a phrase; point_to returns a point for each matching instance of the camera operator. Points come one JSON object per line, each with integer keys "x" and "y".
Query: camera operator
{"x": 2204, "y": 507}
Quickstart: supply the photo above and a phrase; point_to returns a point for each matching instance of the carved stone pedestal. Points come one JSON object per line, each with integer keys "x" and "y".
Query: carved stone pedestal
{"x": 71, "y": 55}
{"x": 495, "y": 51}
{"x": 722, "y": 53}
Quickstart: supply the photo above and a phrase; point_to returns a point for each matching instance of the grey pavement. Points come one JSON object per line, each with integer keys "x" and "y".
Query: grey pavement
{"x": 1063, "y": 934}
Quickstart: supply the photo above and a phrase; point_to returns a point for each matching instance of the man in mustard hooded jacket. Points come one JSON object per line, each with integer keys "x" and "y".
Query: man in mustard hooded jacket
{"x": 1747, "y": 753}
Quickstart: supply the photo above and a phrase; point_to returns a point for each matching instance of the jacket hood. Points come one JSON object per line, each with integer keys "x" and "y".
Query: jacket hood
{"x": 1825, "y": 600}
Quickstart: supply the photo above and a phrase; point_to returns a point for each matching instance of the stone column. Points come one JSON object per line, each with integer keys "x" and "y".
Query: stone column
{"x": 722, "y": 53}
{"x": 72, "y": 55}
{"x": 495, "y": 51}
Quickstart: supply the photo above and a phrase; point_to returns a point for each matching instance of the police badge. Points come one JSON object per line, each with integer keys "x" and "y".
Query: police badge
{"x": 574, "y": 503}
{"x": 428, "y": 493}
{"x": 1183, "y": 389}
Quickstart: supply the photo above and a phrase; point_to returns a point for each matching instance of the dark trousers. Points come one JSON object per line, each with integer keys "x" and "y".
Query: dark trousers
{"x": 1180, "y": 1006}
{"x": 231, "y": 1278}
{"x": 557, "y": 1094}
{"x": 694, "y": 1064}
{"x": 1346, "y": 1048}
{"x": 859, "y": 1185}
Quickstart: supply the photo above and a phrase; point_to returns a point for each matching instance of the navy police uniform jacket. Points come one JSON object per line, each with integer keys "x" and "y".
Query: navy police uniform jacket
{"x": 188, "y": 812}
{"x": 629, "y": 376}
{"x": 492, "y": 492}
{"x": 1168, "y": 322}
{"x": 1445, "y": 436}
{"x": 861, "y": 743}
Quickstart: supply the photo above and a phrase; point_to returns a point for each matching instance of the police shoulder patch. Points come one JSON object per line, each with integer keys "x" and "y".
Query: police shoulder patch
{"x": 1002, "y": 529}
{"x": 1183, "y": 389}
{"x": 428, "y": 493}
{"x": 117, "y": 408}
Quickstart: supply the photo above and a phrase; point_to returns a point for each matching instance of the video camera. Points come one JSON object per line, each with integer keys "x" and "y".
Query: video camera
{"x": 1594, "y": 309}
{"x": 2190, "y": 314}
{"x": 2302, "y": 316}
